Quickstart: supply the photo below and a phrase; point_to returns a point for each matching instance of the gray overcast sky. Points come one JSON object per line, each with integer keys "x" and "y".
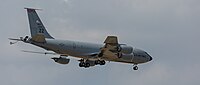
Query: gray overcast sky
{"x": 167, "y": 29}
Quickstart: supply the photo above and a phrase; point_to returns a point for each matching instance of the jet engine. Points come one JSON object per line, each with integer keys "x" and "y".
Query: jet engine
{"x": 125, "y": 49}
{"x": 127, "y": 57}
{"x": 61, "y": 60}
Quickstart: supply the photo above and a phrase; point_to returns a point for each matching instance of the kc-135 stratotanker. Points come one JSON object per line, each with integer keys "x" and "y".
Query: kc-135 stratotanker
{"x": 89, "y": 54}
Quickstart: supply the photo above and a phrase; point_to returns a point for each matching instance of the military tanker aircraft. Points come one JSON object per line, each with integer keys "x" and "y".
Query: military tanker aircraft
{"x": 89, "y": 54}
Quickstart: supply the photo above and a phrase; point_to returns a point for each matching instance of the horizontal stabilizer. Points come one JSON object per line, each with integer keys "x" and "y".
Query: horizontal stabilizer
{"x": 50, "y": 53}
{"x": 14, "y": 39}
{"x": 39, "y": 52}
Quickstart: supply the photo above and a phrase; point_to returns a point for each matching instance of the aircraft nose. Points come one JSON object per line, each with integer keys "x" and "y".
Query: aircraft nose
{"x": 150, "y": 58}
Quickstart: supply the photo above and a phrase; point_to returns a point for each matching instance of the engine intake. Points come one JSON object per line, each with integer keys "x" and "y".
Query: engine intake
{"x": 61, "y": 60}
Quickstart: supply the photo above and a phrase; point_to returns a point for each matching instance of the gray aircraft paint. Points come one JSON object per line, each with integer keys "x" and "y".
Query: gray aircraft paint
{"x": 36, "y": 25}
{"x": 84, "y": 50}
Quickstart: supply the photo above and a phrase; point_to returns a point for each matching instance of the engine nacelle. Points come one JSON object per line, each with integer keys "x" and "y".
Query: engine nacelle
{"x": 61, "y": 60}
{"x": 127, "y": 57}
{"x": 125, "y": 49}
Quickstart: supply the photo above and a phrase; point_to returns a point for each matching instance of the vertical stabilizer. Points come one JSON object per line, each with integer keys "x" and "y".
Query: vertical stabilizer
{"x": 36, "y": 25}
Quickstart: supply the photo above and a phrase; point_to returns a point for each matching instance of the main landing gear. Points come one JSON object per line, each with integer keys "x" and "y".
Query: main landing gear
{"x": 135, "y": 67}
{"x": 88, "y": 63}
{"x": 83, "y": 64}
{"x": 99, "y": 62}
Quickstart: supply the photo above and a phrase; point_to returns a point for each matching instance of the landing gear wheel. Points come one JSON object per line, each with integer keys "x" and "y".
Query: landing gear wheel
{"x": 97, "y": 62}
{"x": 87, "y": 65}
{"x": 135, "y": 68}
{"x": 81, "y": 64}
{"x": 102, "y": 62}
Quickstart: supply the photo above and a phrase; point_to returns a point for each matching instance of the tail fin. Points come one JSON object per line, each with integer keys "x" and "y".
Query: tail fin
{"x": 36, "y": 25}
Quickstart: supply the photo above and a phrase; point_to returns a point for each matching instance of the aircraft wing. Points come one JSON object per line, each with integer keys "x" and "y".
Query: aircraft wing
{"x": 109, "y": 50}
{"x": 14, "y": 39}
{"x": 50, "y": 53}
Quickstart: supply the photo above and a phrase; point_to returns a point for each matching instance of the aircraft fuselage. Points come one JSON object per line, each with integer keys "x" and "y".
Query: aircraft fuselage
{"x": 85, "y": 50}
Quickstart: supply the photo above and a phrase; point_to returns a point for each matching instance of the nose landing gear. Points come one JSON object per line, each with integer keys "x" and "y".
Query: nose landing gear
{"x": 135, "y": 67}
